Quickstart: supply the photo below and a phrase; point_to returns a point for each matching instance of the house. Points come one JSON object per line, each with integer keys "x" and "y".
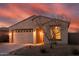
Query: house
{"x": 4, "y": 37}
{"x": 4, "y": 31}
{"x": 37, "y": 30}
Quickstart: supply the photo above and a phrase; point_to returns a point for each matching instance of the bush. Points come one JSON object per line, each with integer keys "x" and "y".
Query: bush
{"x": 43, "y": 50}
{"x": 75, "y": 52}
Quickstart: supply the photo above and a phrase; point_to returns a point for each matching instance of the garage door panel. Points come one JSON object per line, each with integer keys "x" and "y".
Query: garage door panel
{"x": 25, "y": 37}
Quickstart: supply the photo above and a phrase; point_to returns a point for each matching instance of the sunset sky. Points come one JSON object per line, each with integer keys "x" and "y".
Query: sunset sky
{"x": 13, "y": 13}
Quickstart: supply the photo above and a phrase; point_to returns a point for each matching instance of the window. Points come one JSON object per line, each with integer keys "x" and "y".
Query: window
{"x": 16, "y": 30}
{"x": 56, "y": 33}
{"x": 24, "y": 30}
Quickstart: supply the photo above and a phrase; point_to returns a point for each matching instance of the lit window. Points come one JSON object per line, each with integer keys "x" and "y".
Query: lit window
{"x": 56, "y": 33}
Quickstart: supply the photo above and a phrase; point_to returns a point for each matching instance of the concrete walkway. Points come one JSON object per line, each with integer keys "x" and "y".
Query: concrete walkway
{"x": 6, "y": 48}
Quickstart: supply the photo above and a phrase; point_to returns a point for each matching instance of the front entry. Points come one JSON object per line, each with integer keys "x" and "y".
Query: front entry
{"x": 39, "y": 35}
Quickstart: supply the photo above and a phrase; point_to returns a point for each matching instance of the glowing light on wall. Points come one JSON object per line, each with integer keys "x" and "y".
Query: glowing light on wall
{"x": 34, "y": 36}
{"x": 10, "y": 37}
{"x": 9, "y": 33}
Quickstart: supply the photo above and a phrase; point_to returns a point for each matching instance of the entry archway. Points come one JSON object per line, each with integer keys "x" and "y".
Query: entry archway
{"x": 39, "y": 35}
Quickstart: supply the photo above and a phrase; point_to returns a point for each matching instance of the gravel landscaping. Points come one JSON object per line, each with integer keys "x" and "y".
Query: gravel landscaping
{"x": 62, "y": 50}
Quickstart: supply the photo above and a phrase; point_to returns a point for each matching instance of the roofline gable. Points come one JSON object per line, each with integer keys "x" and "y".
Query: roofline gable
{"x": 22, "y": 20}
{"x": 36, "y": 16}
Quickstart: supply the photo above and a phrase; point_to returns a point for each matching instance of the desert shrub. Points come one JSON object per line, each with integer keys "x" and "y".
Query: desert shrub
{"x": 75, "y": 52}
{"x": 42, "y": 50}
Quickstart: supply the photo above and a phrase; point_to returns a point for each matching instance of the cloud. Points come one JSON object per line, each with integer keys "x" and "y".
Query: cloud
{"x": 11, "y": 13}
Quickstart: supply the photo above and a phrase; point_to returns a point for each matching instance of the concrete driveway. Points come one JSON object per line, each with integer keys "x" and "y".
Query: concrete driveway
{"x": 6, "y": 48}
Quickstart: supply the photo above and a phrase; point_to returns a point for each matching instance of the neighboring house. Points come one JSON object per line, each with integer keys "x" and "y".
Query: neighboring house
{"x": 4, "y": 30}
{"x": 4, "y": 37}
{"x": 34, "y": 30}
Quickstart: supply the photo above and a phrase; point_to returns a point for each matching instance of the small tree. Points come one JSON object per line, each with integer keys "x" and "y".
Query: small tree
{"x": 50, "y": 36}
